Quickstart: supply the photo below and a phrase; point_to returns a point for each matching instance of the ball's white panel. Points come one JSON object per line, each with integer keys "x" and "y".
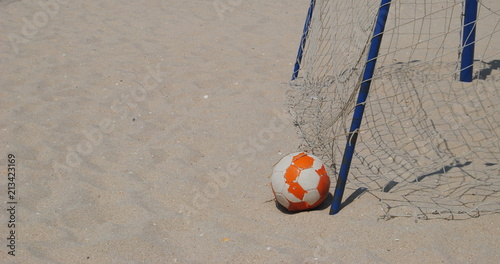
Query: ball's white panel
{"x": 308, "y": 179}
{"x": 317, "y": 163}
{"x": 290, "y": 196}
{"x": 282, "y": 200}
{"x": 278, "y": 181}
{"x": 283, "y": 164}
{"x": 311, "y": 196}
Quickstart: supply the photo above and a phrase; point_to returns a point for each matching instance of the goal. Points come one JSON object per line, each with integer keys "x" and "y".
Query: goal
{"x": 403, "y": 96}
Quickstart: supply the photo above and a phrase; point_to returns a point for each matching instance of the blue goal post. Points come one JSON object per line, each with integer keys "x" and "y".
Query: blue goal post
{"x": 303, "y": 40}
{"x": 360, "y": 105}
{"x": 468, "y": 40}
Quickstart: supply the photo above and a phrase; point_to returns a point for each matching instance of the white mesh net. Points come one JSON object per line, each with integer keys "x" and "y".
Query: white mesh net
{"x": 429, "y": 144}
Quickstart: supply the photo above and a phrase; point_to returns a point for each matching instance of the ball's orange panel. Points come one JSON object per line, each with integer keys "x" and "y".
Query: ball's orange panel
{"x": 324, "y": 185}
{"x": 303, "y": 161}
{"x": 296, "y": 190}
{"x": 298, "y": 206}
{"x": 291, "y": 174}
{"x": 321, "y": 171}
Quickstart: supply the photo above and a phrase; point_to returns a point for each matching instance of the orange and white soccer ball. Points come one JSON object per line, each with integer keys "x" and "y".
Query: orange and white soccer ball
{"x": 300, "y": 182}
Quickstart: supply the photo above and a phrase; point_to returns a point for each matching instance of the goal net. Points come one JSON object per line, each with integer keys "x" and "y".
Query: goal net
{"x": 428, "y": 145}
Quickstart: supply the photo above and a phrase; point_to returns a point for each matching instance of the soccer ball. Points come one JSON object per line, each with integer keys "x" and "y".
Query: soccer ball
{"x": 300, "y": 182}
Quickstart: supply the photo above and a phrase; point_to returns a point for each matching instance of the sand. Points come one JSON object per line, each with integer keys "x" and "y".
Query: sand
{"x": 145, "y": 132}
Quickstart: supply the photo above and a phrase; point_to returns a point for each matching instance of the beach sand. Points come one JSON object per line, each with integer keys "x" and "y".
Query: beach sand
{"x": 145, "y": 132}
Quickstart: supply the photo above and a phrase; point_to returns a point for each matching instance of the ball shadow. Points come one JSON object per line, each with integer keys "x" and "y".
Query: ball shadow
{"x": 327, "y": 202}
